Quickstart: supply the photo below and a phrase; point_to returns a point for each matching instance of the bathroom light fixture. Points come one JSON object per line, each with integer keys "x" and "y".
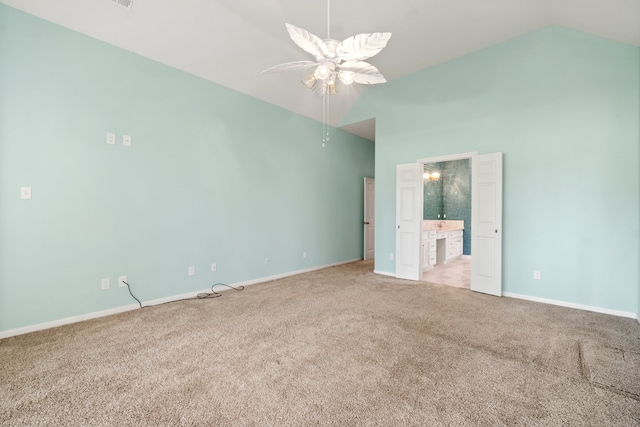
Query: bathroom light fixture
{"x": 433, "y": 176}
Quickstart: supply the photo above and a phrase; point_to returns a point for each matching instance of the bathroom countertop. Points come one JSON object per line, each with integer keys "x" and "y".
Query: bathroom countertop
{"x": 450, "y": 225}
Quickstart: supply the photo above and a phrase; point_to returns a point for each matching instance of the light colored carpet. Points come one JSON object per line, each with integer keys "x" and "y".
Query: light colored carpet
{"x": 340, "y": 346}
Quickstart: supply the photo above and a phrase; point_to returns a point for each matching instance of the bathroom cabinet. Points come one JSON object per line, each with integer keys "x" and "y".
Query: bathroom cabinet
{"x": 454, "y": 245}
{"x": 440, "y": 247}
{"x": 429, "y": 246}
{"x": 442, "y": 242}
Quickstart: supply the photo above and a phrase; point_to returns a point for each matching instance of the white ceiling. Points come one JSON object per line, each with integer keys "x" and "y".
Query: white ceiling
{"x": 231, "y": 41}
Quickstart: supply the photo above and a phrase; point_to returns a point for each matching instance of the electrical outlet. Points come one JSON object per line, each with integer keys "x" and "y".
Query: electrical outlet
{"x": 25, "y": 193}
{"x": 111, "y": 138}
{"x": 536, "y": 275}
{"x": 121, "y": 281}
{"x": 192, "y": 270}
{"x": 106, "y": 283}
{"x": 390, "y": 257}
{"x": 267, "y": 260}
{"x": 126, "y": 140}
{"x": 214, "y": 267}
{"x": 304, "y": 255}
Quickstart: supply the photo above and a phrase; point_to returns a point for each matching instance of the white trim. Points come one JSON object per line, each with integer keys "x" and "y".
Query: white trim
{"x": 88, "y": 316}
{"x": 448, "y": 158}
{"x": 573, "y": 305}
{"x": 465, "y": 256}
{"x": 384, "y": 273}
{"x": 67, "y": 321}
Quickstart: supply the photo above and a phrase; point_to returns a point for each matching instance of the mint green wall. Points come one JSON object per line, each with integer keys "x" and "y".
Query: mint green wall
{"x": 563, "y": 108}
{"x": 213, "y": 176}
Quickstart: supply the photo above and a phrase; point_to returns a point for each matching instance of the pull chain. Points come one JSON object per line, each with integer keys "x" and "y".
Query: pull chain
{"x": 325, "y": 97}
{"x": 324, "y": 120}
{"x": 325, "y": 113}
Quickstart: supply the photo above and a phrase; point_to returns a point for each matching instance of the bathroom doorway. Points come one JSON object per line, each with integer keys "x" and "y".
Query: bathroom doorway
{"x": 447, "y": 222}
{"x": 486, "y": 195}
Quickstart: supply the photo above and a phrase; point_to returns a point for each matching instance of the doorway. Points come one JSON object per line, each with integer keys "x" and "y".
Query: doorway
{"x": 486, "y": 267}
{"x": 446, "y": 233}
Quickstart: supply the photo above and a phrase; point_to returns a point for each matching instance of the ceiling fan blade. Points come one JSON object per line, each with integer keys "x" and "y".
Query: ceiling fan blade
{"x": 362, "y": 46}
{"x": 365, "y": 73}
{"x": 290, "y": 66}
{"x": 309, "y": 42}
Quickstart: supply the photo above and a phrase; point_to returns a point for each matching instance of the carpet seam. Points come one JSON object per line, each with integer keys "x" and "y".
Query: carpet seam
{"x": 616, "y": 390}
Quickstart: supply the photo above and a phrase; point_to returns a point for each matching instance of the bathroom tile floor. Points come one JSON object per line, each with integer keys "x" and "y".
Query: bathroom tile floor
{"x": 455, "y": 273}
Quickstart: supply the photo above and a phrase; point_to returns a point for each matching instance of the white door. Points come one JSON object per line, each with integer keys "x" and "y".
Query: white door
{"x": 369, "y": 218}
{"x": 486, "y": 218}
{"x": 408, "y": 220}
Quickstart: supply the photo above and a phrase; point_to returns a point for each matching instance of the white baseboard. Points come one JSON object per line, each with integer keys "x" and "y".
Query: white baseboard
{"x": 67, "y": 320}
{"x": 573, "y": 305}
{"x": 129, "y": 307}
{"x": 384, "y": 273}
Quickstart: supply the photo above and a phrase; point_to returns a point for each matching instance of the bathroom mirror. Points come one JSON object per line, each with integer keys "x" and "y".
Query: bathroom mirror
{"x": 433, "y": 206}
{"x": 447, "y": 190}
{"x": 447, "y": 194}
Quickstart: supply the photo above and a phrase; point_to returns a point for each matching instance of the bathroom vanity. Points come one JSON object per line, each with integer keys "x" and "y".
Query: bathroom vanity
{"x": 442, "y": 242}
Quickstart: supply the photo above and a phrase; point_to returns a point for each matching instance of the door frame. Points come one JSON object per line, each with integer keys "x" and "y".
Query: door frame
{"x": 473, "y": 157}
{"x": 409, "y": 272}
{"x": 449, "y": 158}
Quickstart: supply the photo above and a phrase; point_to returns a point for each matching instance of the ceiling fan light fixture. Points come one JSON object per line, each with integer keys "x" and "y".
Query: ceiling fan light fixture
{"x": 309, "y": 81}
{"x": 335, "y": 59}
{"x": 325, "y": 70}
{"x": 346, "y": 77}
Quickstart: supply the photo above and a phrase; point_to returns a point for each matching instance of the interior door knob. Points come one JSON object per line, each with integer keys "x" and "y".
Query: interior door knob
{"x": 366, "y": 222}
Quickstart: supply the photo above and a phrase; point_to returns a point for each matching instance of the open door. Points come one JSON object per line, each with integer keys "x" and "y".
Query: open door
{"x": 408, "y": 220}
{"x": 486, "y": 218}
{"x": 369, "y": 218}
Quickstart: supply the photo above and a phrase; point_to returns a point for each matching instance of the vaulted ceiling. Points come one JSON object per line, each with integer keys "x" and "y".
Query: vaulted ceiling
{"x": 230, "y": 42}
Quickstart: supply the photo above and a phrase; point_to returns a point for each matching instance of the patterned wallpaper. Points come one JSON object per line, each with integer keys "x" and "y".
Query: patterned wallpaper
{"x": 451, "y": 196}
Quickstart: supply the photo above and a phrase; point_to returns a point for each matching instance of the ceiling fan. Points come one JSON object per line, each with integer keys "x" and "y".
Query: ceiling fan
{"x": 335, "y": 60}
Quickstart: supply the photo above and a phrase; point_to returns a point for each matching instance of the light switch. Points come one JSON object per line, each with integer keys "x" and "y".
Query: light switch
{"x": 105, "y": 284}
{"x": 126, "y": 140}
{"x": 111, "y": 138}
{"x": 25, "y": 193}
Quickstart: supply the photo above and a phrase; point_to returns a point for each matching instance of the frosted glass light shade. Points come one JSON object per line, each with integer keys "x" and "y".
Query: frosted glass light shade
{"x": 325, "y": 70}
{"x": 309, "y": 81}
{"x": 346, "y": 77}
